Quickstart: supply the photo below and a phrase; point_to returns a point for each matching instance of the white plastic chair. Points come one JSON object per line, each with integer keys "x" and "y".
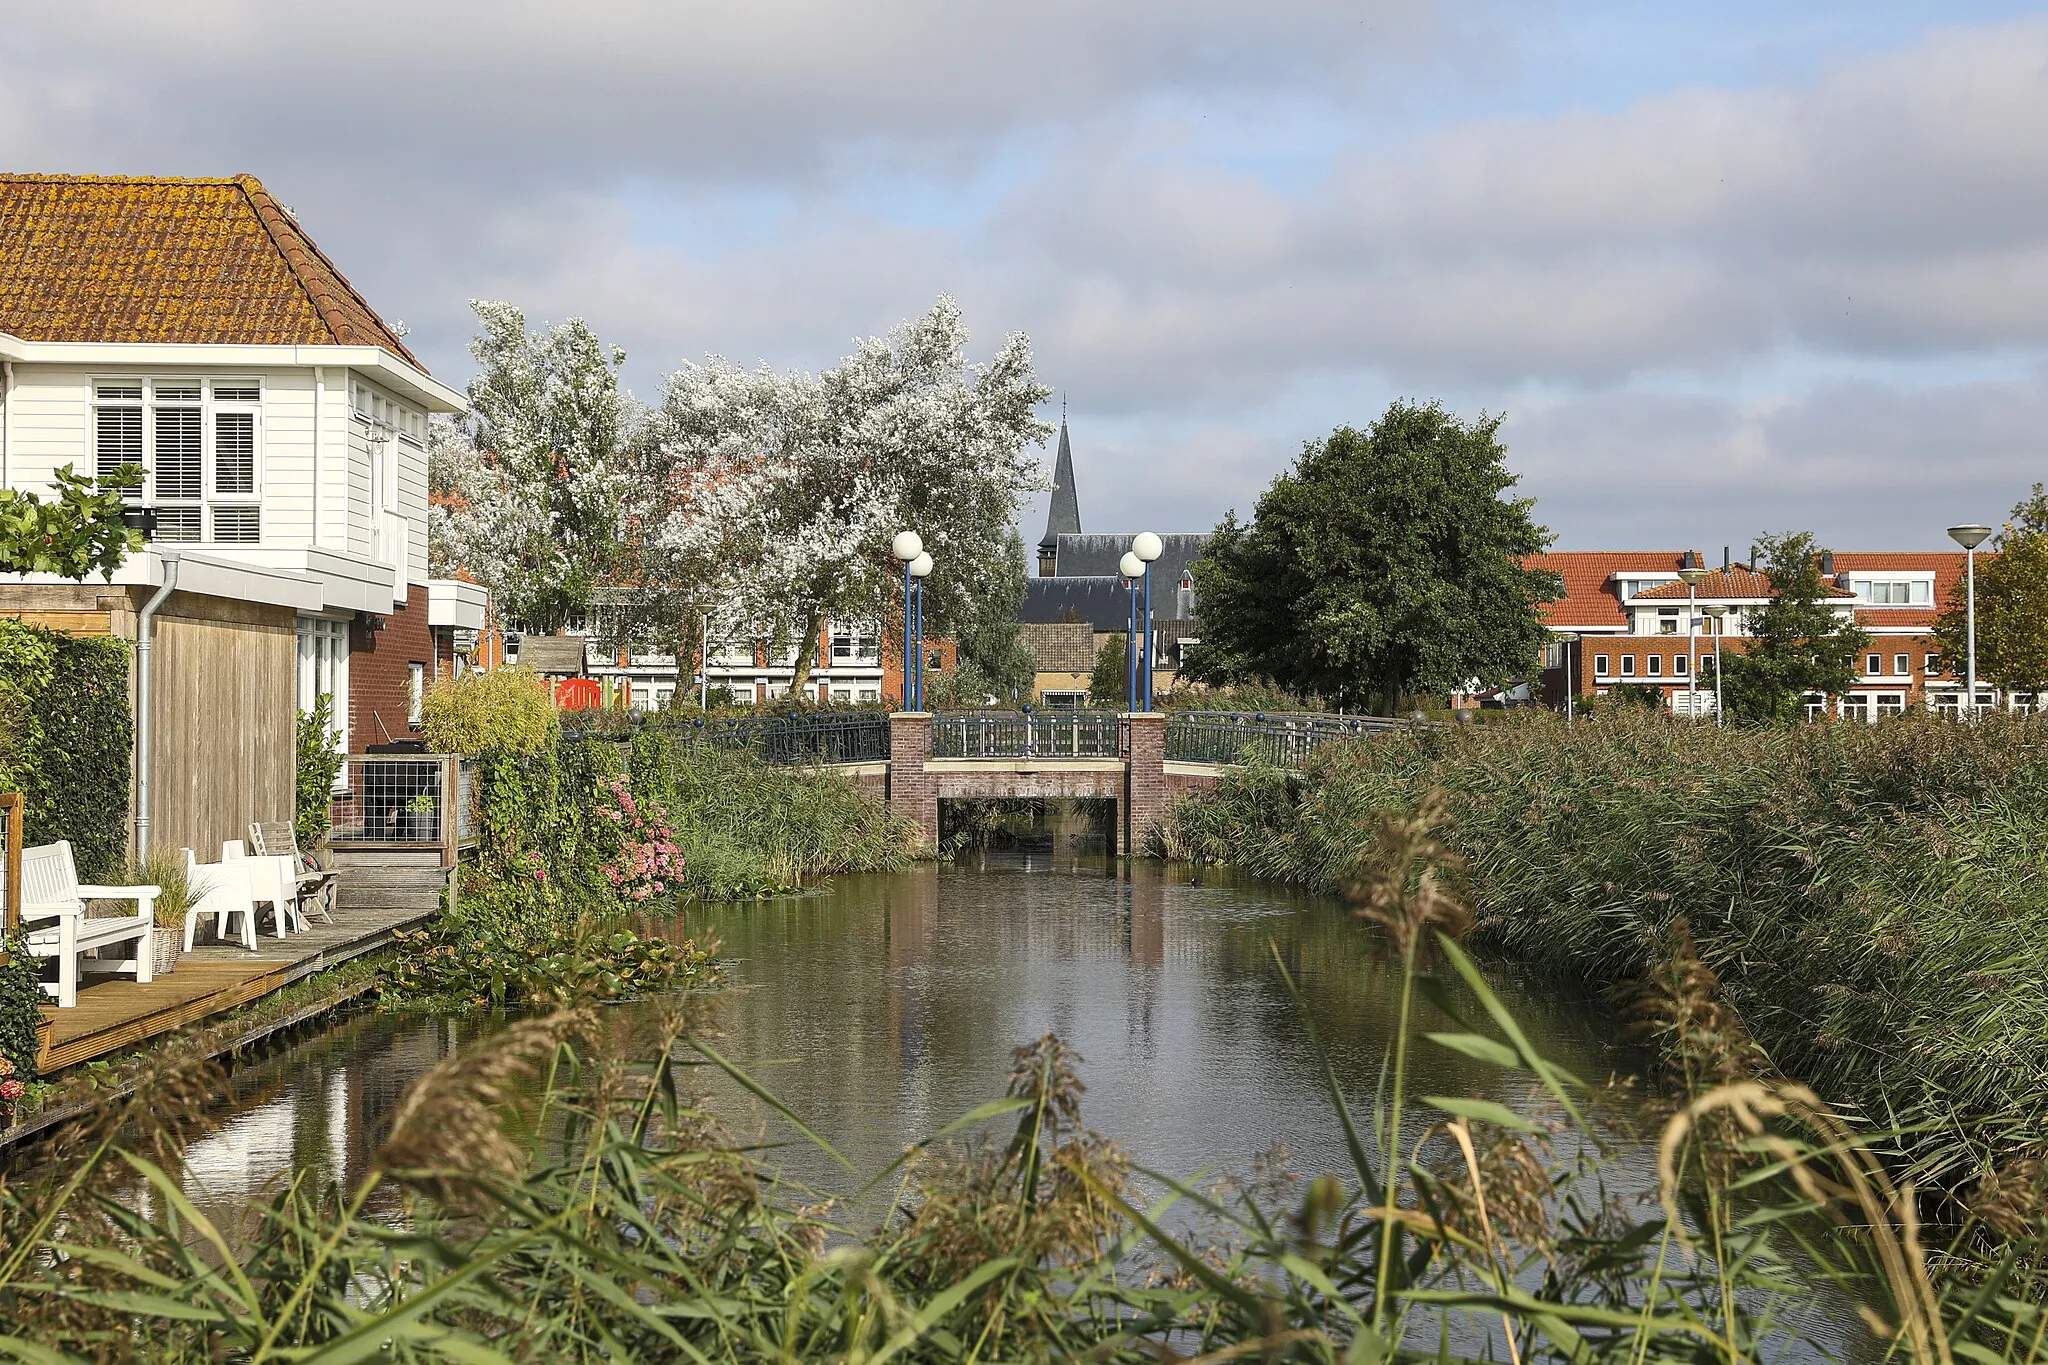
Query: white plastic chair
{"x": 221, "y": 890}
{"x": 50, "y": 890}
{"x": 271, "y": 882}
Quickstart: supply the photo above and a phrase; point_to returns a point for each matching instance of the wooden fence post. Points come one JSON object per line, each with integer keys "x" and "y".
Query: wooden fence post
{"x": 12, "y": 803}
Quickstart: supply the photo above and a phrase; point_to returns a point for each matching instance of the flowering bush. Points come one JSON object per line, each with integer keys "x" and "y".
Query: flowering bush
{"x": 647, "y": 862}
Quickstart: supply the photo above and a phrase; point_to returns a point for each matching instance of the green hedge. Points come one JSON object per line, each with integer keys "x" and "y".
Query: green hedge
{"x": 67, "y": 739}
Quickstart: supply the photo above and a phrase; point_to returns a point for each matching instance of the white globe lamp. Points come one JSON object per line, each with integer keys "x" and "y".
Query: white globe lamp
{"x": 1147, "y": 546}
{"x": 907, "y": 546}
{"x": 1130, "y": 566}
{"x": 921, "y": 565}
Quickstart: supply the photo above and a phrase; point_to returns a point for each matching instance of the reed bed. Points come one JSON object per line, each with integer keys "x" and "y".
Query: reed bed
{"x": 564, "y": 1199}
{"x": 1872, "y": 899}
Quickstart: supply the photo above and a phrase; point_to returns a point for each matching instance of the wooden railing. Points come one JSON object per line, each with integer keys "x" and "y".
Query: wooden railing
{"x": 10, "y": 879}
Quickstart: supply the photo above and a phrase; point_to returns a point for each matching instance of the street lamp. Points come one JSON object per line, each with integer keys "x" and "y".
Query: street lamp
{"x": 1970, "y": 537}
{"x": 1147, "y": 547}
{"x": 907, "y": 546}
{"x": 1133, "y": 569}
{"x": 920, "y": 570}
{"x": 1719, "y": 616}
{"x": 1692, "y": 579}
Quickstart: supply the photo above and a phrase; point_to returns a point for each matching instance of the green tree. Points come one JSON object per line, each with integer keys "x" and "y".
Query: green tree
{"x": 2012, "y": 604}
{"x": 979, "y": 610}
{"x": 1387, "y": 563}
{"x": 1109, "y": 685}
{"x": 1800, "y": 641}
{"x": 79, "y": 533}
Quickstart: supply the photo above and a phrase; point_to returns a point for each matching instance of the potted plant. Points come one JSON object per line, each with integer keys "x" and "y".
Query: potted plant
{"x": 166, "y": 871}
{"x": 416, "y": 819}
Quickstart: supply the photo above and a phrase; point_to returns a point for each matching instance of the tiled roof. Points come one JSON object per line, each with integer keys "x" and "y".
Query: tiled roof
{"x": 150, "y": 259}
{"x": 1945, "y": 565}
{"x": 1739, "y": 583}
{"x": 1588, "y": 601}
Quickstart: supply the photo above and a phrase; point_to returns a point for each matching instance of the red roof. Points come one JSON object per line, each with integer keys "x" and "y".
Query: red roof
{"x": 1589, "y": 598}
{"x": 156, "y": 259}
{"x": 1738, "y": 583}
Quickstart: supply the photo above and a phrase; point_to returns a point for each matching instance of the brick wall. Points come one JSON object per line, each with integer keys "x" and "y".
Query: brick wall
{"x": 913, "y": 791}
{"x": 1145, "y": 798}
{"x": 379, "y": 672}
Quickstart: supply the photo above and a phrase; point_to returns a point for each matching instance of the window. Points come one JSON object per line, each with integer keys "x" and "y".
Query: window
{"x": 415, "y": 693}
{"x": 1656, "y": 663}
{"x": 1873, "y": 664}
{"x": 1628, "y": 665}
{"x": 1899, "y": 592}
{"x": 1600, "y": 662}
{"x": 1814, "y": 705}
{"x": 1902, "y": 664}
{"x": 323, "y": 670}
{"x": 853, "y": 645}
{"x": 1680, "y": 665}
{"x": 743, "y": 693}
{"x": 200, "y": 449}
{"x": 1667, "y": 623}
{"x": 1933, "y": 664}
{"x": 871, "y": 695}
{"x": 1891, "y": 704}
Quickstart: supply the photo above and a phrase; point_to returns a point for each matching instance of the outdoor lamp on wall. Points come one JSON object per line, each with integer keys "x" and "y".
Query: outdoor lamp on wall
{"x": 1970, "y": 537}
{"x": 1147, "y": 547}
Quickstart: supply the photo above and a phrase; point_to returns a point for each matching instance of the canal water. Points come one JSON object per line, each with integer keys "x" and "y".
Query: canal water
{"x": 883, "y": 1007}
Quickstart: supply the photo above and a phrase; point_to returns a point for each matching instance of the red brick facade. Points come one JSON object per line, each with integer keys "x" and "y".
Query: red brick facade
{"x": 380, "y": 672}
{"x": 1145, "y": 796}
{"x": 912, "y": 790}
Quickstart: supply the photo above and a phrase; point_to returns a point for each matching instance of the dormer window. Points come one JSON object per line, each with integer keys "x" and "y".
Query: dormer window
{"x": 1896, "y": 592}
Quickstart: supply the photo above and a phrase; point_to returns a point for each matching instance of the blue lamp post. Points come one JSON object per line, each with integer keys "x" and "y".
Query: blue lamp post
{"x": 1147, "y": 547}
{"x": 1133, "y": 569}
{"x": 907, "y": 546}
{"x": 920, "y": 569}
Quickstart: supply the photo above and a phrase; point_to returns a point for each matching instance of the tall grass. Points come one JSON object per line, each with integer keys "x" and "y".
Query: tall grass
{"x": 565, "y": 1200}
{"x": 1872, "y": 898}
{"x": 751, "y": 828}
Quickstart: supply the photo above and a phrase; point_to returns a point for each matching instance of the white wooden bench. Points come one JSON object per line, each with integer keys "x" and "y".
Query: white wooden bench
{"x": 50, "y": 890}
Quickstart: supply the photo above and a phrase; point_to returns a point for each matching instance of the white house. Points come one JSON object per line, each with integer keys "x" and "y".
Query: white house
{"x": 192, "y": 327}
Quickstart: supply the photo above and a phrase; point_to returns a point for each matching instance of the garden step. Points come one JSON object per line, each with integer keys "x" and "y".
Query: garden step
{"x": 392, "y": 876}
{"x": 390, "y": 898}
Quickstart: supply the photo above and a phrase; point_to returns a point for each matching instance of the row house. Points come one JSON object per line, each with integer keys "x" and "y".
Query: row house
{"x": 1629, "y": 619}
{"x": 193, "y": 328}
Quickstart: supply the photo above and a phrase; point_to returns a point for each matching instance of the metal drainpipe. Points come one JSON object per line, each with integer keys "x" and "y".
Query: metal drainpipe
{"x": 145, "y": 625}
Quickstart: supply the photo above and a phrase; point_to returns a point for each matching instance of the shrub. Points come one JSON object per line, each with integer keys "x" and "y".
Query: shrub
{"x": 320, "y": 763}
{"x": 503, "y": 711}
{"x": 65, "y": 699}
{"x": 21, "y": 1002}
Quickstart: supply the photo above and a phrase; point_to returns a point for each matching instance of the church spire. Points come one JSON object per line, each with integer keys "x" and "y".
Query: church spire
{"x": 1064, "y": 518}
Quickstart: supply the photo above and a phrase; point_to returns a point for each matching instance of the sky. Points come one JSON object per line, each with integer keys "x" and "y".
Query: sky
{"x": 1727, "y": 268}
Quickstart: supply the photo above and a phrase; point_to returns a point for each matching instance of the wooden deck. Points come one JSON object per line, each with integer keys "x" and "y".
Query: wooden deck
{"x": 114, "y": 1014}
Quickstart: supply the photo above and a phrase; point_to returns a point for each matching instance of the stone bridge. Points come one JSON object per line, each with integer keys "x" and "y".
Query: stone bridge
{"x": 1141, "y": 761}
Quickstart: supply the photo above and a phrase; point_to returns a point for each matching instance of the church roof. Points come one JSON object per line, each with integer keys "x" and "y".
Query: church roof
{"x": 1079, "y": 555}
{"x": 1064, "y": 517}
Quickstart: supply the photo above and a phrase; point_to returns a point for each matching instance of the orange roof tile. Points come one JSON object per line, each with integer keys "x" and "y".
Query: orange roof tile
{"x": 1588, "y": 601}
{"x": 1737, "y": 583}
{"x": 152, "y": 259}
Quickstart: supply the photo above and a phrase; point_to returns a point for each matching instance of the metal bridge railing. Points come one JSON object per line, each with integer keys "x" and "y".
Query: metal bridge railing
{"x": 856, "y": 737}
{"x": 1283, "y": 740}
{"x": 1050, "y": 734}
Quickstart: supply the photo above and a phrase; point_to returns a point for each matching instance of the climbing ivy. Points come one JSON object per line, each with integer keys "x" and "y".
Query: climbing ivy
{"x": 21, "y": 998}
{"x": 70, "y": 739}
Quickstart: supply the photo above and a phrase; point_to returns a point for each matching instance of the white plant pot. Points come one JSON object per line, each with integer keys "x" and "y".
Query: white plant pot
{"x": 166, "y": 946}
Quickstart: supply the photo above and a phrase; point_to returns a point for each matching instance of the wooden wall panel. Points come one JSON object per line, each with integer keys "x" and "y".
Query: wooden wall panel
{"x": 225, "y": 723}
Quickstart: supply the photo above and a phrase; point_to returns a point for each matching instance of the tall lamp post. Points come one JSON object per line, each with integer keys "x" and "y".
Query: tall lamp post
{"x": 920, "y": 570}
{"x": 1692, "y": 579}
{"x": 1133, "y": 569}
{"x": 1970, "y": 537}
{"x": 1719, "y": 616}
{"x": 907, "y": 546}
{"x": 1147, "y": 547}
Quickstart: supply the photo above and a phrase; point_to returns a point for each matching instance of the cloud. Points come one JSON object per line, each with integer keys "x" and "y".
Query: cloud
{"x": 1226, "y": 228}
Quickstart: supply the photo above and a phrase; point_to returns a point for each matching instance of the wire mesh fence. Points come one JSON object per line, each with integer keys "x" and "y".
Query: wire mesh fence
{"x": 423, "y": 799}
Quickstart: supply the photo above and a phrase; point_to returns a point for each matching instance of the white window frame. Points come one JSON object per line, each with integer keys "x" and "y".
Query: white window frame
{"x": 210, "y": 407}
{"x": 1600, "y": 665}
{"x": 415, "y": 693}
{"x": 322, "y": 667}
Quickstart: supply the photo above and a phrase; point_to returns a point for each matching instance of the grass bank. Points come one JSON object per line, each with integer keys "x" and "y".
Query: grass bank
{"x": 1873, "y": 898}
